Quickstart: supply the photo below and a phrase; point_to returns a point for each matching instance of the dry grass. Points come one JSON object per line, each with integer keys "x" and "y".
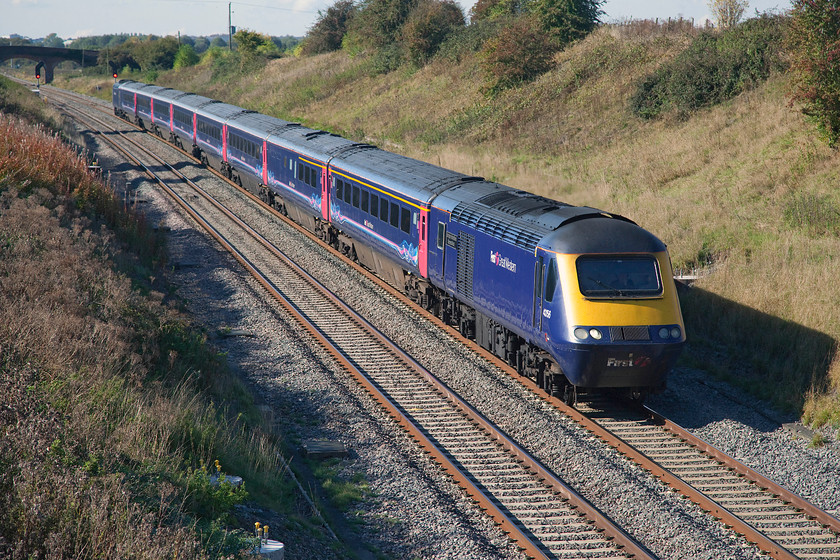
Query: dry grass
{"x": 106, "y": 397}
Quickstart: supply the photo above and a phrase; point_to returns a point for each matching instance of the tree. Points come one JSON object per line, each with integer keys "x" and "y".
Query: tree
{"x": 117, "y": 59}
{"x": 186, "y": 56}
{"x": 814, "y": 43}
{"x": 378, "y": 23}
{"x": 201, "y": 44}
{"x": 428, "y": 25}
{"x": 328, "y": 31}
{"x": 566, "y": 20}
{"x": 53, "y": 40}
{"x": 728, "y": 12}
{"x": 492, "y": 9}
{"x": 519, "y": 53}
{"x": 251, "y": 44}
{"x": 155, "y": 53}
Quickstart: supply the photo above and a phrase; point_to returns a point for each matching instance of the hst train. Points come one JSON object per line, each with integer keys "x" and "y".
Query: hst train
{"x": 576, "y": 298}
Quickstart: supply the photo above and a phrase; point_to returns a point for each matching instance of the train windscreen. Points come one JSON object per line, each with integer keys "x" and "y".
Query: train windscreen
{"x": 621, "y": 277}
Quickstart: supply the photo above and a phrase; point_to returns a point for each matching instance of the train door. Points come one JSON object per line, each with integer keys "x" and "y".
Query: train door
{"x": 224, "y": 142}
{"x": 539, "y": 273}
{"x": 264, "y": 157}
{"x": 325, "y": 193}
{"x": 423, "y": 243}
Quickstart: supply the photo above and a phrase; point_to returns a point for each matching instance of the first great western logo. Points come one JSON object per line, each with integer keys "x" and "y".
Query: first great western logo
{"x": 504, "y": 262}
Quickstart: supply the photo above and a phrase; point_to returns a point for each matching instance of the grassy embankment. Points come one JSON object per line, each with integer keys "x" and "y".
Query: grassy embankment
{"x": 742, "y": 190}
{"x": 113, "y": 408}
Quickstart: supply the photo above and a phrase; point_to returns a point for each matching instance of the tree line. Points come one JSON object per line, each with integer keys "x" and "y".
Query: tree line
{"x": 516, "y": 41}
{"x": 515, "y": 38}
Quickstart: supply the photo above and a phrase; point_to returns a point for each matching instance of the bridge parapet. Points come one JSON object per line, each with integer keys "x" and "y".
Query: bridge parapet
{"x": 50, "y": 56}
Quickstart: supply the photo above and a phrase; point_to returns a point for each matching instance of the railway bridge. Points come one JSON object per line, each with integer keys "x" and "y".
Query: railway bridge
{"x": 48, "y": 57}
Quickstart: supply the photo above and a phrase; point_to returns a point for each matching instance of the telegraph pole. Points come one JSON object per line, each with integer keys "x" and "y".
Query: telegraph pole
{"x": 230, "y": 33}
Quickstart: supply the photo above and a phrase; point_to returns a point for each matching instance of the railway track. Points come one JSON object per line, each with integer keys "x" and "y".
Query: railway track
{"x": 543, "y": 515}
{"x": 778, "y": 522}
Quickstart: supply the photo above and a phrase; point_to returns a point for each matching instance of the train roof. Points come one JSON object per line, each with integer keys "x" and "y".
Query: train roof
{"x": 122, "y": 83}
{"x": 416, "y": 179}
{"x": 218, "y": 110}
{"x": 318, "y": 145}
{"x": 171, "y": 95}
{"x": 143, "y": 89}
{"x": 192, "y": 101}
{"x": 527, "y": 220}
{"x": 257, "y": 124}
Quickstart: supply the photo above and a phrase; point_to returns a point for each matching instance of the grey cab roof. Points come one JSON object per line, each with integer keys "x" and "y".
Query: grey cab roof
{"x": 417, "y": 179}
{"x": 527, "y": 220}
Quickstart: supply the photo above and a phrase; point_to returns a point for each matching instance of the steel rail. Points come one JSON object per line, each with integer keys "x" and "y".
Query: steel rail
{"x": 621, "y": 539}
{"x": 727, "y": 517}
{"x": 786, "y": 495}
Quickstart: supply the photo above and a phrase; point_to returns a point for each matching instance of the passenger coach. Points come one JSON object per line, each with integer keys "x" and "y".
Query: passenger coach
{"x": 574, "y": 297}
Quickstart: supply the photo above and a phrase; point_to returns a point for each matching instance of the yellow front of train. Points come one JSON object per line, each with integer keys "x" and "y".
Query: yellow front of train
{"x": 617, "y": 322}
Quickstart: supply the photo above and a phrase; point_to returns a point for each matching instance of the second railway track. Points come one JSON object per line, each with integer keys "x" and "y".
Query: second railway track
{"x": 781, "y": 524}
{"x": 542, "y": 514}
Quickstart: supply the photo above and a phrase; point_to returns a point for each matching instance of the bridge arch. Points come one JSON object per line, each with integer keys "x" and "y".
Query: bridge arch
{"x": 49, "y": 56}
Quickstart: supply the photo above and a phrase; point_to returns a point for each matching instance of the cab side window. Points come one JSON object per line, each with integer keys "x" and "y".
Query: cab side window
{"x": 551, "y": 280}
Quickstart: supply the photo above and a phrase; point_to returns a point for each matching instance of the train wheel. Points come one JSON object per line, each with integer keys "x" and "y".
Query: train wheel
{"x": 637, "y": 397}
{"x": 569, "y": 394}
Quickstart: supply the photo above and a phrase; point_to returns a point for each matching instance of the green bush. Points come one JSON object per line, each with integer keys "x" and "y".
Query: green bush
{"x": 566, "y": 21}
{"x": 814, "y": 42}
{"x": 428, "y": 25}
{"x": 378, "y": 24}
{"x": 815, "y": 214}
{"x": 519, "y": 53}
{"x": 484, "y": 10}
{"x": 328, "y": 31}
{"x": 465, "y": 41}
{"x": 185, "y": 57}
{"x": 715, "y": 67}
{"x": 212, "y": 497}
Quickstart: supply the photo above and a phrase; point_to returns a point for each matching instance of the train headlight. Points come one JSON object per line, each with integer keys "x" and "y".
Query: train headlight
{"x": 581, "y": 333}
{"x": 664, "y": 332}
{"x": 595, "y": 333}
{"x": 675, "y": 332}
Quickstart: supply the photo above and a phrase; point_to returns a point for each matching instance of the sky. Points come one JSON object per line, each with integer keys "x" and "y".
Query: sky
{"x": 78, "y": 18}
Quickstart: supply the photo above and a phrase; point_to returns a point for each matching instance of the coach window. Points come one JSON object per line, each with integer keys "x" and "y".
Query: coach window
{"x": 383, "y": 210}
{"x": 355, "y": 196}
{"x": 405, "y": 220}
{"x": 365, "y": 198}
{"x": 338, "y": 188}
{"x": 395, "y": 215}
{"x": 374, "y": 205}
